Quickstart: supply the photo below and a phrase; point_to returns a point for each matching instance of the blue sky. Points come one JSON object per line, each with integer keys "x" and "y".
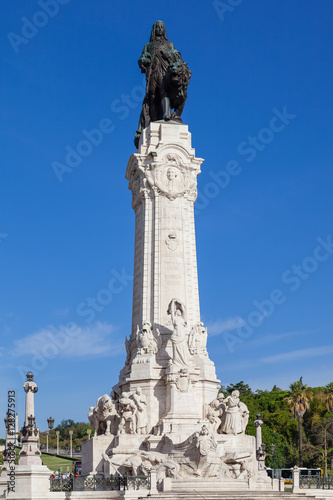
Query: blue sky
{"x": 260, "y": 112}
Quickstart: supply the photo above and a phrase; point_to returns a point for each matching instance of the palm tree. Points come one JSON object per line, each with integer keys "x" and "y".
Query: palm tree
{"x": 299, "y": 400}
{"x": 329, "y": 396}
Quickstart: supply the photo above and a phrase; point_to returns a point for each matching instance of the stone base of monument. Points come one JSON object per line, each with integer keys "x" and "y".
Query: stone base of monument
{"x": 204, "y": 485}
{"x": 126, "y": 444}
{"x": 29, "y": 482}
{"x": 92, "y": 454}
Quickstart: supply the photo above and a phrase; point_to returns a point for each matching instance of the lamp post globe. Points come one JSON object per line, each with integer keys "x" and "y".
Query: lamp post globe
{"x": 50, "y": 422}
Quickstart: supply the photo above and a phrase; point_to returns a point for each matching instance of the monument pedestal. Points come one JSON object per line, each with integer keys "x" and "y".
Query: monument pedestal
{"x": 92, "y": 454}
{"x": 31, "y": 482}
{"x": 166, "y": 399}
{"x": 126, "y": 444}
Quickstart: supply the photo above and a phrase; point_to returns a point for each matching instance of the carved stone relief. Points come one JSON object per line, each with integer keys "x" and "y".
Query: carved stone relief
{"x": 197, "y": 340}
{"x": 171, "y": 178}
{"x": 227, "y": 415}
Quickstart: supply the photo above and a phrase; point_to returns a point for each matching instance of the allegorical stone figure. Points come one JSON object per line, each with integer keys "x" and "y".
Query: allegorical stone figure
{"x": 100, "y": 416}
{"x": 207, "y": 450}
{"x": 180, "y": 353}
{"x": 167, "y": 77}
{"x": 127, "y": 409}
{"x": 145, "y": 339}
{"x": 141, "y": 414}
{"x": 236, "y": 415}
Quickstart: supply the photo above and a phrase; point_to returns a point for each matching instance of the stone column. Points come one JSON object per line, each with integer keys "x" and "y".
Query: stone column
{"x": 281, "y": 484}
{"x": 260, "y": 447}
{"x": 31, "y": 477}
{"x": 162, "y": 176}
{"x": 296, "y": 474}
{"x": 30, "y": 388}
{"x": 153, "y": 483}
{"x": 258, "y": 423}
{"x": 57, "y": 433}
{"x": 71, "y": 443}
{"x": 30, "y": 454}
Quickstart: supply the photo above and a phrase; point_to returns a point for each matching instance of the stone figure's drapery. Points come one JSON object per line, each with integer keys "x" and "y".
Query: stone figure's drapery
{"x": 233, "y": 417}
{"x": 180, "y": 351}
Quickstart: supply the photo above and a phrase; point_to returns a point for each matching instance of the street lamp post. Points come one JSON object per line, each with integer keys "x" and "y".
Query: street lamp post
{"x": 88, "y": 432}
{"x": 273, "y": 453}
{"x": 71, "y": 442}
{"x": 57, "y": 433}
{"x": 50, "y": 422}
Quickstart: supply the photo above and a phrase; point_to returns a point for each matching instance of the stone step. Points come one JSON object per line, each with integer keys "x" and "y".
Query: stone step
{"x": 229, "y": 495}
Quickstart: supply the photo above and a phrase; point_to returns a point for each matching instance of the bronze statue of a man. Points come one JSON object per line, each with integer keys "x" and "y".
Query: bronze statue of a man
{"x": 167, "y": 77}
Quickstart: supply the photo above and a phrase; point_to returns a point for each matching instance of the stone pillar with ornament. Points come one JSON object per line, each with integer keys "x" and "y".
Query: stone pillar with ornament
{"x": 30, "y": 453}
{"x": 260, "y": 447}
{"x": 32, "y": 479}
{"x": 162, "y": 176}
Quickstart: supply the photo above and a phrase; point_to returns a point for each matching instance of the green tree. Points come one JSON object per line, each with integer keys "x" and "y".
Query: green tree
{"x": 321, "y": 427}
{"x": 244, "y": 389}
{"x": 329, "y": 396}
{"x": 79, "y": 434}
{"x": 299, "y": 401}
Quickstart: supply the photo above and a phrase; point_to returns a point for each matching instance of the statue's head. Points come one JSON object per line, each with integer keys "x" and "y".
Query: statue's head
{"x": 158, "y": 31}
{"x": 172, "y": 173}
{"x": 146, "y": 327}
{"x": 204, "y": 430}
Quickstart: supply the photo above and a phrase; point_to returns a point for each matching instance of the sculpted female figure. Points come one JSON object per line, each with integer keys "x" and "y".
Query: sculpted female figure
{"x": 180, "y": 351}
{"x": 233, "y": 415}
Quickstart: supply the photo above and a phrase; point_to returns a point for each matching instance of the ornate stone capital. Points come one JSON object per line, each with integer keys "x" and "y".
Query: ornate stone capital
{"x": 163, "y": 168}
{"x": 30, "y": 387}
